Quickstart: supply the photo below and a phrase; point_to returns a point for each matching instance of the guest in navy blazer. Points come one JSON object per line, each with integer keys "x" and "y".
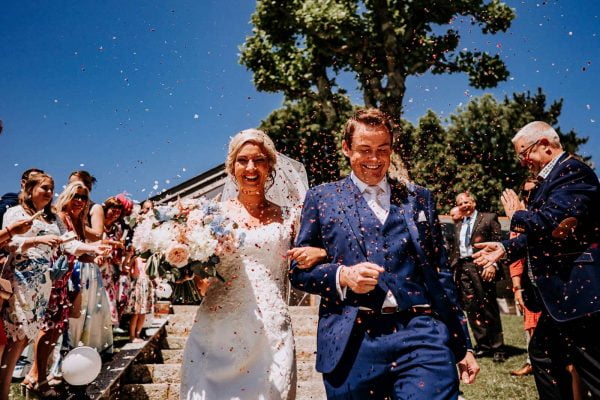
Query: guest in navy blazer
{"x": 560, "y": 236}
{"x": 389, "y": 320}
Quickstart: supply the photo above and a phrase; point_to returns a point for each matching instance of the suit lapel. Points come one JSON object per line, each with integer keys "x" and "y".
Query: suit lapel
{"x": 476, "y": 225}
{"x": 349, "y": 206}
{"x": 408, "y": 207}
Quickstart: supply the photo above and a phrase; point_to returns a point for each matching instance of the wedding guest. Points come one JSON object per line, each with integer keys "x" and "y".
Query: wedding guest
{"x": 29, "y": 274}
{"x": 8, "y": 200}
{"x": 95, "y": 226}
{"x": 17, "y": 228}
{"x": 72, "y": 206}
{"x": 530, "y": 318}
{"x": 90, "y": 321}
{"x": 141, "y": 297}
{"x": 113, "y": 209}
{"x": 477, "y": 286}
{"x": 456, "y": 215}
{"x": 140, "y": 300}
{"x": 559, "y": 230}
{"x": 122, "y": 269}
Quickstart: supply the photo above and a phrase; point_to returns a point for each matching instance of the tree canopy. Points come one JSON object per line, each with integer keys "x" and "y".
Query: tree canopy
{"x": 300, "y": 47}
{"x": 474, "y": 153}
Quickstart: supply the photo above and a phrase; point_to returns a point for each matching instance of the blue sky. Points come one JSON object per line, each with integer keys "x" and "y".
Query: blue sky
{"x": 145, "y": 94}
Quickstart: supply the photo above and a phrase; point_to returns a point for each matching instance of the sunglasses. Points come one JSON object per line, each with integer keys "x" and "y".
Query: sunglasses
{"x": 81, "y": 197}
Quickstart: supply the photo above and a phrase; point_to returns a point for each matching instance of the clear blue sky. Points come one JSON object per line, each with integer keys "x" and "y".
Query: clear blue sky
{"x": 145, "y": 94}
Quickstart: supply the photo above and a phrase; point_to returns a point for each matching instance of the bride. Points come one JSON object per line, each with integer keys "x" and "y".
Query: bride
{"x": 241, "y": 345}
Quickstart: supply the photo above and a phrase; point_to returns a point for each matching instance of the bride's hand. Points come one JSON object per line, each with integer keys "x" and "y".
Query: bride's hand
{"x": 307, "y": 257}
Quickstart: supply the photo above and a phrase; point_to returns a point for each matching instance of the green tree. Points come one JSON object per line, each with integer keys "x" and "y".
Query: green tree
{"x": 300, "y": 47}
{"x": 474, "y": 151}
{"x": 297, "y": 130}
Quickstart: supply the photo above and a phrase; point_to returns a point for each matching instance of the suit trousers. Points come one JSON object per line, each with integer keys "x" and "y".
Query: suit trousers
{"x": 394, "y": 357}
{"x": 555, "y": 345}
{"x": 478, "y": 299}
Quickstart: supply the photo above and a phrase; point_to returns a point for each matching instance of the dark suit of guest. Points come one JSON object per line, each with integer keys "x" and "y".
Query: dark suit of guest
{"x": 478, "y": 297}
{"x": 362, "y": 351}
{"x": 560, "y": 239}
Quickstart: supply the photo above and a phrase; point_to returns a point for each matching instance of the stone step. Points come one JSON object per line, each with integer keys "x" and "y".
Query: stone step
{"x": 172, "y": 356}
{"x": 182, "y": 309}
{"x": 304, "y": 324}
{"x": 163, "y": 391}
{"x": 310, "y": 390}
{"x": 307, "y": 371}
{"x": 154, "y": 373}
{"x": 174, "y": 342}
{"x": 306, "y": 347}
{"x": 305, "y": 310}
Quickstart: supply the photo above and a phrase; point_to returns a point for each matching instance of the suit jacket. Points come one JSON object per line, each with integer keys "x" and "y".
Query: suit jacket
{"x": 332, "y": 218}
{"x": 486, "y": 229}
{"x": 564, "y": 263}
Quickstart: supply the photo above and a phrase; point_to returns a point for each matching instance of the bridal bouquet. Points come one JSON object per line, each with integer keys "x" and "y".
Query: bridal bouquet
{"x": 185, "y": 235}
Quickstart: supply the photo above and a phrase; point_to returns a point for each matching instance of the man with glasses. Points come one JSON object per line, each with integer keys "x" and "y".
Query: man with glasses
{"x": 560, "y": 238}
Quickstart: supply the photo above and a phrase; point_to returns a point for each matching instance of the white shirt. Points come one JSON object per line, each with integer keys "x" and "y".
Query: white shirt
{"x": 383, "y": 200}
{"x": 380, "y": 203}
{"x": 464, "y": 250}
{"x": 548, "y": 168}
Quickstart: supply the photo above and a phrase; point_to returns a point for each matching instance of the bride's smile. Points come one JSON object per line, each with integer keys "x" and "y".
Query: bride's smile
{"x": 251, "y": 168}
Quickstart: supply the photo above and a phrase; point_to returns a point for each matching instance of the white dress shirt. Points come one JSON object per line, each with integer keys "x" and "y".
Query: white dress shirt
{"x": 467, "y": 251}
{"x": 378, "y": 198}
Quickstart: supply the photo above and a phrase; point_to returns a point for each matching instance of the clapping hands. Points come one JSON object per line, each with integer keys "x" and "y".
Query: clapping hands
{"x": 511, "y": 202}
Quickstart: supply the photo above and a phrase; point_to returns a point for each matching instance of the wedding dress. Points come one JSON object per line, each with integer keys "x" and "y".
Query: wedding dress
{"x": 241, "y": 345}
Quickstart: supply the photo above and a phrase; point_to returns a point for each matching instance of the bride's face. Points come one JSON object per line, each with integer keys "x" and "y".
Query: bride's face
{"x": 251, "y": 168}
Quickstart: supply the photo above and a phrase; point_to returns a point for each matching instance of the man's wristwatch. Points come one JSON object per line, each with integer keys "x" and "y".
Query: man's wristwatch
{"x": 515, "y": 289}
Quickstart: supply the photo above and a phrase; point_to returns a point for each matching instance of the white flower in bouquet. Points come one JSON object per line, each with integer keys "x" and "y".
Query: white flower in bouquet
{"x": 163, "y": 236}
{"x": 143, "y": 238}
{"x": 202, "y": 243}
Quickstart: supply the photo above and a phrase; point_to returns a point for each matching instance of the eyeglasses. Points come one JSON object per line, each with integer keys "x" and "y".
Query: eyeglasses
{"x": 525, "y": 152}
{"x": 80, "y": 197}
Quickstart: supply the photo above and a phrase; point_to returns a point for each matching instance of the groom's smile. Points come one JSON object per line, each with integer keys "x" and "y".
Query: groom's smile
{"x": 369, "y": 153}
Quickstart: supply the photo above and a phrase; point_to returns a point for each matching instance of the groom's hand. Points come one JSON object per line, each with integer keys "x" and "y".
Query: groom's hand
{"x": 360, "y": 278}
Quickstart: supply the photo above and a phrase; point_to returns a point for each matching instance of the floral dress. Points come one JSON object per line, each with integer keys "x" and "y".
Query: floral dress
{"x": 30, "y": 278}
{"x": 141, "y": 297}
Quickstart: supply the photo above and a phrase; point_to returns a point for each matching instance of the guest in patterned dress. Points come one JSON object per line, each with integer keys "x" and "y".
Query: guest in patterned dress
{"x": 6, "y": 234}
{"x": 29, "y": 274}
{"x": 71, "y": 206}
{"x": 113, "y": 209}
{"x": 141, "y": 299}
{"x": 90, "y": 321}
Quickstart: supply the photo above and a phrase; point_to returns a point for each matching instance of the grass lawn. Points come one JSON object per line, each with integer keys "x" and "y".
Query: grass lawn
{"x": 494, "y": 380}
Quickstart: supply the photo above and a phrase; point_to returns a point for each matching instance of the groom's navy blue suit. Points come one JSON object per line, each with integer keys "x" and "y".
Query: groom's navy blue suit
{"x": 373, "y": 354}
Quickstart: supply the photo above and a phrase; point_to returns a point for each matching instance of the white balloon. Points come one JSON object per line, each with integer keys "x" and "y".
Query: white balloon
{"x": 81, "y": 366}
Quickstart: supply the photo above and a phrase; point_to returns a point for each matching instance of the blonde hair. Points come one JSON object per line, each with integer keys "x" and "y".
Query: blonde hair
{"x": 26, "y": 195}
{"x": 65, "y": 198}
{"x": 250, "y": 136}
{"x": 537, "y": 130}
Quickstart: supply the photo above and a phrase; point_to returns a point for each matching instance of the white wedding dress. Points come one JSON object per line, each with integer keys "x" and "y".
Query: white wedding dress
{"x": 241, "y": 345}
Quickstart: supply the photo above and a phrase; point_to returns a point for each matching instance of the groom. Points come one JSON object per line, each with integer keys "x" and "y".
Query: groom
{"x": 389, "y": 320}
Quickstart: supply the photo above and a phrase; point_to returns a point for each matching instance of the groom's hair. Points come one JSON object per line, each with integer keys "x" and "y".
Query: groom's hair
{"x": 366, "y": 116}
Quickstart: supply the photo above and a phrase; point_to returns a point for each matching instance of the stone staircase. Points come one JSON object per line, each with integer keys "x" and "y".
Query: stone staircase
{"x": 156, "y": 374}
